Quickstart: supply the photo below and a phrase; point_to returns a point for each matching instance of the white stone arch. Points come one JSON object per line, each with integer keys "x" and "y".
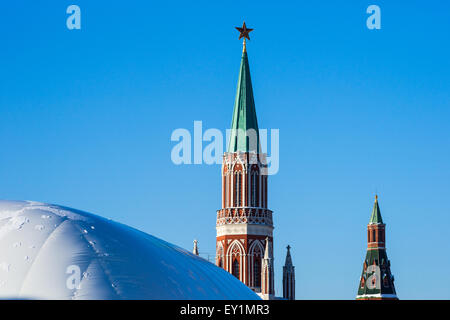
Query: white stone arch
{"x": 227, "y": 176}
{"x": 254, "y": 244}
{"x": 224, "y": 185}
{"x": 238, "y": 160}
{"x": 236, "y": 246}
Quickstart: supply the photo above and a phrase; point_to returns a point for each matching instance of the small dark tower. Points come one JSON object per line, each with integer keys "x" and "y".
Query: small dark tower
{"x": 288, "y": 277}
{"x": 377, "y": 281}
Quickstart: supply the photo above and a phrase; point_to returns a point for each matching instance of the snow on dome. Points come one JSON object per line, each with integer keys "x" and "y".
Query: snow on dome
{"x": 53, "y": 252}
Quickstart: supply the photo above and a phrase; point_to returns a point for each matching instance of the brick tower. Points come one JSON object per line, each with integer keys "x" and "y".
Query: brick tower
{"x": 244, "y": 242}
{"x": 377, "y": 281}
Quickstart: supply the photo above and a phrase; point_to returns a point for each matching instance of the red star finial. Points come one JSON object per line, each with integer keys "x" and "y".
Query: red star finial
{"x": 244, "y": 31}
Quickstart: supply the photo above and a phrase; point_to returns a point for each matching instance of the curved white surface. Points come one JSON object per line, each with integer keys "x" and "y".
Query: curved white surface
{"x": 42, "y": 248}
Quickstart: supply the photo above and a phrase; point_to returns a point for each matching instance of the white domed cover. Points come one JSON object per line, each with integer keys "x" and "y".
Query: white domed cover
{"x": 53, "y": 252}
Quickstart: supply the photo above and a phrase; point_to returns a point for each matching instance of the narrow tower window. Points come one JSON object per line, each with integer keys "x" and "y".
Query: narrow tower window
{"x": 257, "y": 271}
{"x": 254, "y": 186}
{"x": 235, "y": 193}
{"x": 238, "y": 190}
{"x": 262, "y": 191}
{"x": 227, "y": 191}
{"x": 265, "y": 191}
{"x": 224, "y": 190}
{"x": 235, "y": 270}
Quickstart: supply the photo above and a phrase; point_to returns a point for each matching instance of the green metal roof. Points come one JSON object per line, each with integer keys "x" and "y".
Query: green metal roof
{"x": 376, "y": 214}
{"x": 244, "y": 114}
{"x": 376, "y": 264}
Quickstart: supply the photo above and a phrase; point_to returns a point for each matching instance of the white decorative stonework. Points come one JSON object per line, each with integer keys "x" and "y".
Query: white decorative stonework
{"x": 244, "y": 215}
{"x": 266, "y": 231}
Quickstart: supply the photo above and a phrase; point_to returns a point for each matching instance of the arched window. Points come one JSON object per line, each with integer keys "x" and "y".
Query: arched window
{"x": 262, "y": 192}
{"x": 257, "y": 268}
{"x": 229, "y": 185}
{"x": 256, "y": 251}
{"x": 224, "y": 190}
{"x": 257, "y": 271}
{"x": 235, "y": 270}
{"x": 265, "y": 191}
{"x": 254, "y": 191}
{"x": 238, "y": 190}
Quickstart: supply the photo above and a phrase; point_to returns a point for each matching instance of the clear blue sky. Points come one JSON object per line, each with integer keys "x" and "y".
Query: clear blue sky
{"x": 86, "y": 118}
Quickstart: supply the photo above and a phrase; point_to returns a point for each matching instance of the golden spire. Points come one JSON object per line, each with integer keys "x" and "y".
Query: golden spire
{"x": 244, "y": 48}
{"x": 376, "y": 198}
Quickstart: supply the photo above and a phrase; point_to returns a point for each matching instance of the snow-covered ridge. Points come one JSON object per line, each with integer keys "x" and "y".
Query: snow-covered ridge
{"x": 53, "y": 252}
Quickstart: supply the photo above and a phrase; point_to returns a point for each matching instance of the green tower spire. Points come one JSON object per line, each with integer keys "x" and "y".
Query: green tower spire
{"x": 376, "y": 214}
{"x": 244, "y": 126}
{"x": 377, "y": 281}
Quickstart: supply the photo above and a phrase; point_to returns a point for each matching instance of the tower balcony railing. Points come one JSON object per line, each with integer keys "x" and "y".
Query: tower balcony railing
{"x": 251, "y": 215}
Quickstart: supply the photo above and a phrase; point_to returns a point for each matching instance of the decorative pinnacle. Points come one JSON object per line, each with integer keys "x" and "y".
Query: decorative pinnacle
{"x": 195, "y": 251}
{"x": 266, "y": 251}
{"x": 376, "y": 198}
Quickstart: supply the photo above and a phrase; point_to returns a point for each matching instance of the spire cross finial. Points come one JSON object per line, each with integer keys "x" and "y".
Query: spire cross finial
{"x": 288, "y": 247}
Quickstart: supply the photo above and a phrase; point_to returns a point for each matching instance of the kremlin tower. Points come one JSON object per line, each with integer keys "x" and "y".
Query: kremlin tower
{"x": 244, "y": 242}
{"x": 377, "y": 281}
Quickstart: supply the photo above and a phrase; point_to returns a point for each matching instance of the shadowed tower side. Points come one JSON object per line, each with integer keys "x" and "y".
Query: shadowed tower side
{"x": 288, "y": 277}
